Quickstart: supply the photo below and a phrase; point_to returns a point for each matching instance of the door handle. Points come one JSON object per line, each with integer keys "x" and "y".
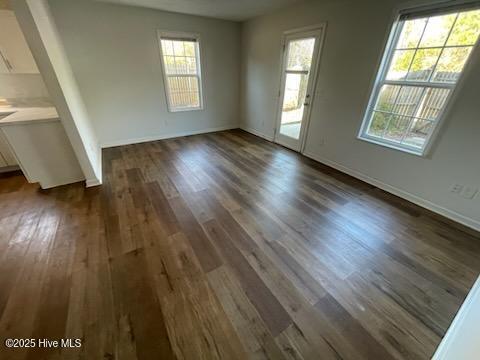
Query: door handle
{"x": 306, "y": 104}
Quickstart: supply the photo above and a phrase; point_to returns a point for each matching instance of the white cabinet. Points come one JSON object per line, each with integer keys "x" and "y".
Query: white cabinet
{"x": 15, "y": 55}
{"x": 41, "y": 146}
{"x": 6, "y": 155}
{"x": 4, "y": 69}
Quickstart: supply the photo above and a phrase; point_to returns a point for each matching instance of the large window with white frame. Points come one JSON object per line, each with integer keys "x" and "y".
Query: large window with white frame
{"x": 180, "y": 54}
{"x": 422, "y": 64}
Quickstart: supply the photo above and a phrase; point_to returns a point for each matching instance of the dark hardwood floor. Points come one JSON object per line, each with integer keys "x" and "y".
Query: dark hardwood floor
{"x": 225, "y": 246}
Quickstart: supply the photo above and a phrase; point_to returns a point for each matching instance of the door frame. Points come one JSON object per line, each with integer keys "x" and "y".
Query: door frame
{"x": 313, "y": 76}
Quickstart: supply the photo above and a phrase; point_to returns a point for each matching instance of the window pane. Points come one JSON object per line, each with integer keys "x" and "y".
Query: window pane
{"x": 419, "y": 131}
{"x": 433, "y": 103}
{"x": 397, "y": 127}
{"x": 181, "y": 65}
{"x": 411, "y": 33}
{"x": 386, "y": 98}
{"x": 423, "y": 64}
{"x": 451, "y": 64}
{"x": 408, "y": 100}
{"x": 189, "y": 48}
{"x": 466, "y": 29}
{"x": 184, "y": 91}
{"x": 378, "y": 123}
{"x": 178, "y": 48}
{"x": 293, "y": 108}
{"x": 300, "y": 54}
{"x": 295, "y": 91}
{"x": 170, "y": 67}
{"x": 437, "y": 30}
{"x": 400, "y": 64}
{"x": 167, "y": 47}
{"x": 191, "y": 65}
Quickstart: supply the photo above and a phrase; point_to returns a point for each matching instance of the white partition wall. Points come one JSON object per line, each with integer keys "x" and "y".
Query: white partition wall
{"x": 462, "y": 340}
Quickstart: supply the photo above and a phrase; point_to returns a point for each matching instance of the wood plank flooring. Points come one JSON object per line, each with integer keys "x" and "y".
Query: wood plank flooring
{"x": 225, "y": 246}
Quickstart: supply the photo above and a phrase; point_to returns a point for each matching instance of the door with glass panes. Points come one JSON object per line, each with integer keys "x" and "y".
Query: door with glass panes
{"x": 300, "y": 60}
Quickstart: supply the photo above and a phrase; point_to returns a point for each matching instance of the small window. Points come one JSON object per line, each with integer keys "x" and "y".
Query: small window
{"x": 181, "y": 68}
{"x": 420, "y": 69}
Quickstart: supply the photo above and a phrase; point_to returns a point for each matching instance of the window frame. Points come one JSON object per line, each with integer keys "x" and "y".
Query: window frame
{"x": 386, "y": 58}
{"x": 173, "y": 35}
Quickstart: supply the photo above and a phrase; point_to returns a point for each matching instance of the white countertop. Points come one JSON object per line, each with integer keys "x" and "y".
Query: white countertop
{"x": 25, "y": 115}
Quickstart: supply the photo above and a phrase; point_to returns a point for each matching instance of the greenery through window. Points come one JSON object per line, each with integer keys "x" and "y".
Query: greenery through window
{"x": 422, "y": 67}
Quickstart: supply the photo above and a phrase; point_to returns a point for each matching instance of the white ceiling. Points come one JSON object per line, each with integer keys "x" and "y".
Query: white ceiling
{"x": 237, "y": 10}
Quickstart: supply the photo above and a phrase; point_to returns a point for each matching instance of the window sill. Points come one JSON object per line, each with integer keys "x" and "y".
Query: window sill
{"x": 185, "y": 109}
{"x": 411, "y": 151}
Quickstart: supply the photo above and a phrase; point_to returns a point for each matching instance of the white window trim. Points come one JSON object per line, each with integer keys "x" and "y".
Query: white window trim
{"x": 181, "y": 35}
{"x": 385, "y": 59}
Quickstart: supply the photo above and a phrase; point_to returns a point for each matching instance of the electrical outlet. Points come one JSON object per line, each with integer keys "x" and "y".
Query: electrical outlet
{"x": 456, "y": 188}
{"x": 468, "y": 192}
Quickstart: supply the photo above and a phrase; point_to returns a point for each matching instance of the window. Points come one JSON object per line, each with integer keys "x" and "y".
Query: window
{"x": 181, "y": 68}
{"x": 419, "y": 72}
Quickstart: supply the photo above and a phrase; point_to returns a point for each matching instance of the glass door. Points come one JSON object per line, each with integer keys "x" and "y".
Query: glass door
{"x": 297, "y": 84}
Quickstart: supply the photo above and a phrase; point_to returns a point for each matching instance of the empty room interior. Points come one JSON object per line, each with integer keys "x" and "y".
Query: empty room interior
{"x": 255, "y": 179}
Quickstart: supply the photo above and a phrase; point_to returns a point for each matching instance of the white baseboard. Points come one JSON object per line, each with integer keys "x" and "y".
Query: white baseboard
{"x": 92, "y": 182}
{"x": 9, "y": 168}
{"x": 52, "y": 184}
{"x": 461, "y": 339}
{"x": 257, "y": 133}
{"x": 164, "y": 136}
{"x": 452, "y": 215}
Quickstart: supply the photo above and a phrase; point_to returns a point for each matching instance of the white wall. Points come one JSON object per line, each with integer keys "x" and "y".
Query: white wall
{"x": 355, "y": 36}
{"x": 42, "y": 36}
{"x": 113, "y": 50}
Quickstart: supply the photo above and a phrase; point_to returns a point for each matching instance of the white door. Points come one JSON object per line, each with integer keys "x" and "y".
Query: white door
{"x": 300, "y": 62}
